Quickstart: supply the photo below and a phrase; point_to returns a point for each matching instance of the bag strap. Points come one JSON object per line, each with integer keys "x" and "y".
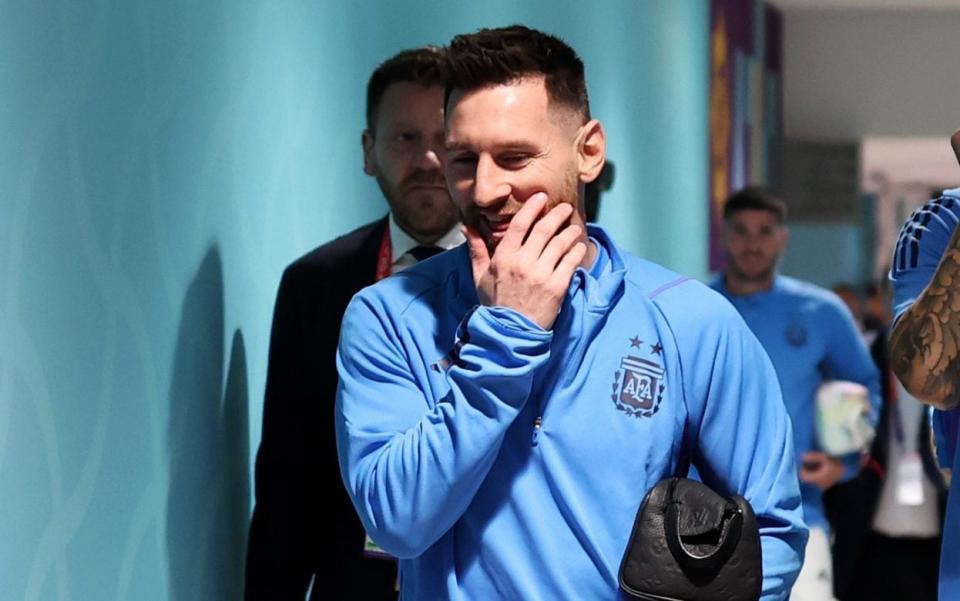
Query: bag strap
{"x": 714, "y": 560}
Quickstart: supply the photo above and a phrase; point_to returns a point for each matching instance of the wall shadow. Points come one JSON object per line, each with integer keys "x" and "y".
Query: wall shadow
{"x": 209, "y": 489}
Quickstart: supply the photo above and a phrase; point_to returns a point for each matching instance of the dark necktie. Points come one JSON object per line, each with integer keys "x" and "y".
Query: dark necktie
{"x": 424, "y": 252}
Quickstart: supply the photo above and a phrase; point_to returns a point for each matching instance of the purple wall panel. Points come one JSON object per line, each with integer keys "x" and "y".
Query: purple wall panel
{"x": 734, "y": 54}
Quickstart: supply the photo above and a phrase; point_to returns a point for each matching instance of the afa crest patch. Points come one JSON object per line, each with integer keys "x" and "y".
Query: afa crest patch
{"x": 639, "y": 384}
{"x": 796, "y": 332}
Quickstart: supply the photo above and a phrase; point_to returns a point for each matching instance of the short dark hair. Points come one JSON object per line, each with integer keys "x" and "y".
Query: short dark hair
{"x": 508, "y": 54}
{"x": 426, "y": 66}
{"x": 755, "y": 198}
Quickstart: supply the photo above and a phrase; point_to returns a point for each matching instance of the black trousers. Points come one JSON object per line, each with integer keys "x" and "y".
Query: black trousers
{"x": 897, "y": 569}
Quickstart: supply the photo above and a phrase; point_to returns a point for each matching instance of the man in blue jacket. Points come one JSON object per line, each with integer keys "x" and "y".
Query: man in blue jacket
{"x": 810, "y": 337}
{"x": 925, "y": 343}
{"x": 504, "y": 407}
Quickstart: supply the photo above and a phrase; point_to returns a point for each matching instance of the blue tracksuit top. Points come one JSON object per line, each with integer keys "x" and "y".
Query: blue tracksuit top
{"x": 811, "y": 337}
{"x": 922, "y": 241}
{"x": 498, "y": 460}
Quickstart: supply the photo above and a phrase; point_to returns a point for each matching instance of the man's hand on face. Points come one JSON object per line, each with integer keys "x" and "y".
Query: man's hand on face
{"x": 533, "y": 263}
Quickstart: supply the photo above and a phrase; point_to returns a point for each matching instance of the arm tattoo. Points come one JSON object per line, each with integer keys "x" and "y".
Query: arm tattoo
{"x": 925, "y": 344}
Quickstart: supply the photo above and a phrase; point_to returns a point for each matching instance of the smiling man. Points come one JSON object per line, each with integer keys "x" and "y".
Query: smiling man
{"x": 810, "y": 337}
{"x": 504, "y": 408}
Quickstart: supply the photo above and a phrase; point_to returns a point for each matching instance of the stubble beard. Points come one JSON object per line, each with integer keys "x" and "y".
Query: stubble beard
{"x": 761, "y": 276}
{"x": 417, "y": 211}
{"x": 569, "y": 193}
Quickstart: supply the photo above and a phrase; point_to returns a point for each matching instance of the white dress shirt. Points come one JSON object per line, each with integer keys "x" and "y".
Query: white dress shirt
{"x": 401, "y": 243}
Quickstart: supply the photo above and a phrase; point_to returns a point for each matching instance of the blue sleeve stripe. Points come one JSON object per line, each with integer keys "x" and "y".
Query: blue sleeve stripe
{"x": 903, "y": 244}
{"x": 667, "y": 286}
{"x": 900, "y": 253}
{"x": 907, "y": 250}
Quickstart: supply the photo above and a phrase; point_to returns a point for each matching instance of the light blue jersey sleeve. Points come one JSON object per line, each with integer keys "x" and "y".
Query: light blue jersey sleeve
{"x": 920, "y": 245}
{"x": 412, "y": 469}
{"x": 847, "y": 358}
{"x": 739, "y": 429}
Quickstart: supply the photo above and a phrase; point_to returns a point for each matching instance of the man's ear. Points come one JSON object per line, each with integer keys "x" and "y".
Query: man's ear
{"x": 784, "y": 238}
{"x": 591, "y": 150}
{"x": 368, "y": 163}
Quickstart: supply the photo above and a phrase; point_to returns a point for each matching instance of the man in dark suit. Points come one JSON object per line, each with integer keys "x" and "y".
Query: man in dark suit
{"x": 295, "y": 547}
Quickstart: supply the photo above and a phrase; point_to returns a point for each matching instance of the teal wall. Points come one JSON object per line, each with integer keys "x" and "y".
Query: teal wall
{"x": 828, "y": 253}
{"x": 160, "y": 163}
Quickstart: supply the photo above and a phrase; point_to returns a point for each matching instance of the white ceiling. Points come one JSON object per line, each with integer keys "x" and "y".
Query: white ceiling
{"x": 907, "y": 159}
{"x": 865, "y": 4}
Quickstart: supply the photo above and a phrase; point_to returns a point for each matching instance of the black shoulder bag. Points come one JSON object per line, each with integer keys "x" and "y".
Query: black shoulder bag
{"x": 690, "y": 544}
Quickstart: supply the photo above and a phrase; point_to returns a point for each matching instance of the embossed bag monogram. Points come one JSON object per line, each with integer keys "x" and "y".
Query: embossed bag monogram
{"x": 690, "y": 544}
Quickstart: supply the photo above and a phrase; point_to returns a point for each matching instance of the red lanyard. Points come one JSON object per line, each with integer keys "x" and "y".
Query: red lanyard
{"x": 385, "y": 256}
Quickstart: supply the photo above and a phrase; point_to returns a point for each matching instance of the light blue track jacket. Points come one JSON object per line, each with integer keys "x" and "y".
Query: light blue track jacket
{"x": 498, "y": 460}
{"x": 920, "y": 245}
{"x": 810, "y": 337}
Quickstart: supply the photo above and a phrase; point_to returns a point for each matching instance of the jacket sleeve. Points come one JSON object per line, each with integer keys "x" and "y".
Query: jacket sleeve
{"x": 741, "y": 437}
{"x": 411, "y": 463}
{"x": 279, "y": 552}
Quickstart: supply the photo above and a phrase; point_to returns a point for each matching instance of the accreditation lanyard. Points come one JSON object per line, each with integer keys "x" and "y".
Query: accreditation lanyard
{"x": 909, "y": 466}
{"x": 385, "y": 256}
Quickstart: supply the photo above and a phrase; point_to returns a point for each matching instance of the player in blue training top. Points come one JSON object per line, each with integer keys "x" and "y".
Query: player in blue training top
{"x": 505, "y": 406}
{"x": 810, "y": 337}
{"x": 925, "y": 342}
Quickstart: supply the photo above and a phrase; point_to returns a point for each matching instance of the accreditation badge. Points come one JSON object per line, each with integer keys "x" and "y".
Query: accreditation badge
{"x": 910, "y": 480}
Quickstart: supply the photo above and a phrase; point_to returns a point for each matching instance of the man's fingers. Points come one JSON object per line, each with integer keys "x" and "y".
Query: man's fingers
{"x": 955, "y": 142}
{"x": 568, "y": 264}
{"x": 521, "y": 222}
{"x": 560, "y": 244}
{"x": 546, "y": 229}
{"x": 479, "y": 255}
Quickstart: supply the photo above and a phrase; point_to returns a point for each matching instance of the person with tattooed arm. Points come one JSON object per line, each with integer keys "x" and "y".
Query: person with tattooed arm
{"x": 925, "y": 342}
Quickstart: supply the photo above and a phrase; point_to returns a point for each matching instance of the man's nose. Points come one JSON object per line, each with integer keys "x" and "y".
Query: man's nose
{"x": 428, "y": 157}
{"x": 489, "y": 185}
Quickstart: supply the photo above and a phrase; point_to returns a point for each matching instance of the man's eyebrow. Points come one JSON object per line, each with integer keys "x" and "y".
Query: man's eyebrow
{"x": 400, "y": 125}
{"x": 507, "y": 145}
{"x": 453, "y": 146}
